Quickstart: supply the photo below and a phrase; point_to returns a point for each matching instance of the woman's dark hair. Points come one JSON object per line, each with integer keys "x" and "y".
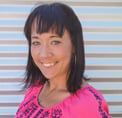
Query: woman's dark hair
{"x": 56, "y": 17}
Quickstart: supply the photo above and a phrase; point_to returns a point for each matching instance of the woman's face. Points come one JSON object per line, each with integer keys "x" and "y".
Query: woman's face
{"x": 52, "y": 54}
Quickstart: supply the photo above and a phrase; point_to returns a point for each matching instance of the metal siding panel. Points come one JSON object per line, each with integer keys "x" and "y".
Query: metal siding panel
{"x": 102, "y": 27}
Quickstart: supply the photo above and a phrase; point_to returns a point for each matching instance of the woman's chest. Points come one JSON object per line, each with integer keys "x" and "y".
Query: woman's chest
{"x": 51, "y": 99}
{"x": 31, "y": 109}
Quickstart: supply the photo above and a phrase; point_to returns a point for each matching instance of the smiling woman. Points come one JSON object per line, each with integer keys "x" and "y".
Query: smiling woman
{"x": 54, "y": 21}
{"x": 55, "y": 68}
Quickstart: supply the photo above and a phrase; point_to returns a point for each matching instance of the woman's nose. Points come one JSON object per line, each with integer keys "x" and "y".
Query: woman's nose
{"x": 45, "y": 51}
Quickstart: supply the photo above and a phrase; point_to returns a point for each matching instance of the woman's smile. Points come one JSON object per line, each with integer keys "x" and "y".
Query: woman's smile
{"x": 48, "y": 64}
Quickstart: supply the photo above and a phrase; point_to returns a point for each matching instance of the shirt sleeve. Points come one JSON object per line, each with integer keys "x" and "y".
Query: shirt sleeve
{"x": 100, "y": 103}
{"x": 27, "y": 95}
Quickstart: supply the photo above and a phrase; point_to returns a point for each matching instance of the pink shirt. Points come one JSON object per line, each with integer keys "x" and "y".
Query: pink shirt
{"x": 87, "y": 103}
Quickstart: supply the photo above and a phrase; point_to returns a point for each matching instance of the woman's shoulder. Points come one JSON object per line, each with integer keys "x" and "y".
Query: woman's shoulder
{"x": 92, "y": 102}
{"x": 32, "y": 89}
{"x": 90, "y": 91}
{"x": 92, "y": 94}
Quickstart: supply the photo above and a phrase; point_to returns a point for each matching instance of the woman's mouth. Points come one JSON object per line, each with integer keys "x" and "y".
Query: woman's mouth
{"x": 48, "y": 64}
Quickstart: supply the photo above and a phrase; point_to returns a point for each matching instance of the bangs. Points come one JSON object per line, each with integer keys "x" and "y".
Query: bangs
{"x": 48, "y": 20}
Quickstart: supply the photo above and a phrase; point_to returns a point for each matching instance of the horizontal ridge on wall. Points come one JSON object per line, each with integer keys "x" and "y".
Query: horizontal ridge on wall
{"x": 102, "y": 31}
{"x": 69, "y": 2}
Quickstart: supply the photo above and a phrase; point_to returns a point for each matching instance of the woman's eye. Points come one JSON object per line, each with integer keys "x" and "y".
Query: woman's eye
{"x": 35, "y": 43}
{"x": 55, "y": 42}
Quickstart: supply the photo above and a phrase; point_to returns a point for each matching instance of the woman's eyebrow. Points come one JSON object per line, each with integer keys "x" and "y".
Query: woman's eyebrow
{"x": 34, "y": 37}
{"x": 53, "y": 36}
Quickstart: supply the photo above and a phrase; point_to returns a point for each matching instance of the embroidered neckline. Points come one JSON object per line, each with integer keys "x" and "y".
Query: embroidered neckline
{"x": 61, "y": 102}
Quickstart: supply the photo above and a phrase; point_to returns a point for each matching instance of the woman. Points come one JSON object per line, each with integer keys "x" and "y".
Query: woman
{"x": 55, "y": 69}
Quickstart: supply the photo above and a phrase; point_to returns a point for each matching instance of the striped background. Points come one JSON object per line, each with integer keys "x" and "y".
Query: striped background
{"x": 102, "y": 26}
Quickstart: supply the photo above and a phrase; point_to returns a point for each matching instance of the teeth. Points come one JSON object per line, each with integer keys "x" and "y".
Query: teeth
{"x": 48, "y": 65}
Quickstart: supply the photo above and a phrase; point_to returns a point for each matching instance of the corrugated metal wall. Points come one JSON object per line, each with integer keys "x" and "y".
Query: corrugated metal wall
{"x": 102, "y": 26}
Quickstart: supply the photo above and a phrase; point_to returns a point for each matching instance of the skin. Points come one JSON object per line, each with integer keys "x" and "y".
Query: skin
{"x": 52, "y": 55}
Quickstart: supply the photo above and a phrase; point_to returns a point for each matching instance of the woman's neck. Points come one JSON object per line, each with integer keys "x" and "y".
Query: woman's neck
{"x": 53, "y": 85}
